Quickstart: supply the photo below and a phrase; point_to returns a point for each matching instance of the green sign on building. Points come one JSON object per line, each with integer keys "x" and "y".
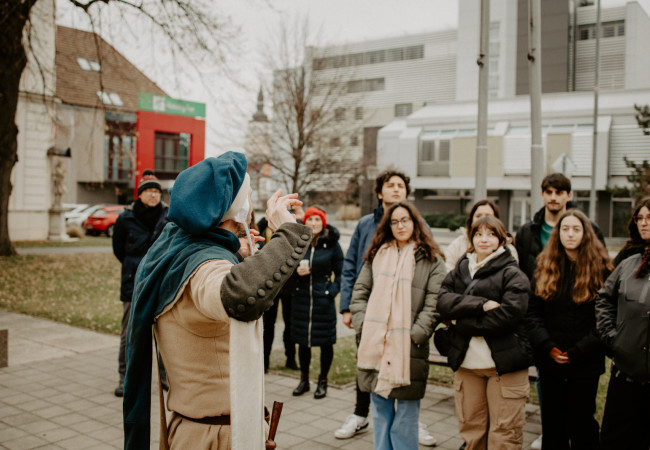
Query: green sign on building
{"x": 168, "y": 105}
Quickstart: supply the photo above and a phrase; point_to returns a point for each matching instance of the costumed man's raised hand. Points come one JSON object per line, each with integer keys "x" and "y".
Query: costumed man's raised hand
{"x": 277, "y": 209}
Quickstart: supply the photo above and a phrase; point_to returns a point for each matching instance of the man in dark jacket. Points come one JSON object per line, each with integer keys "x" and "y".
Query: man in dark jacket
{"x": 533, "y": 236}
{"x": 391, "y": 186}
{"x": 135, "y": 231}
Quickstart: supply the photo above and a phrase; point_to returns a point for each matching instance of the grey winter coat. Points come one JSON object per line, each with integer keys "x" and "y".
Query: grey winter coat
{"x": 427, "y": 278}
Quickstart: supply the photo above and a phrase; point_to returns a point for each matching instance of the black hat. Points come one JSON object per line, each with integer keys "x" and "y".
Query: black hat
{"x": 148, "y": 181}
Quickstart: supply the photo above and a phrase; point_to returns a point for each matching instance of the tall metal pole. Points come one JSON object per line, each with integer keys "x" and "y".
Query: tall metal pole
{"x": 537, "y": 166}
{"x": 594, "y": 144}
{"x": 483, "y": 61}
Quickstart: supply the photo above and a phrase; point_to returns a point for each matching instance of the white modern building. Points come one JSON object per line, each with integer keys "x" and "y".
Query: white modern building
{"x": 437, "y": 143}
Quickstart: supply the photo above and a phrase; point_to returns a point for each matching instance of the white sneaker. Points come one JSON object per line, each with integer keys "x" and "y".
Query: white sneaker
{"x": 424, "y": 437}
{"x": 537, "y": 444}
{"x": 352, "y": 425}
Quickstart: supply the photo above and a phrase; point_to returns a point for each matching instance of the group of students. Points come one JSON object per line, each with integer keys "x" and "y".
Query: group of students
{"x": 552, "y": 298}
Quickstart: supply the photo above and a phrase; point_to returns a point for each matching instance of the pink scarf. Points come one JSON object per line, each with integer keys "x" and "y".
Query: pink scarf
{"x": 386, "y": 337}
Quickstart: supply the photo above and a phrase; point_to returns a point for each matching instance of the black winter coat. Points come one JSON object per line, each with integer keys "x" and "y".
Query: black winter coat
{"x": 571, "y": 327}
{"x": 623, "y": 319}
{"x": 503, "y": 328}
{"x": 528, "y": 241}
{"x": 131, "y": 241}
{"x": 313, "y": 312}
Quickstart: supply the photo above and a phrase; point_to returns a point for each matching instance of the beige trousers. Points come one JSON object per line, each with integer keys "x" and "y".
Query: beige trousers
{"x": 185, "y": 434}
{"x": 491, "y": 408}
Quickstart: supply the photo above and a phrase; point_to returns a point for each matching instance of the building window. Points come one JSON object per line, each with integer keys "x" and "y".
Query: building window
{"x": 375, "y": 84}
{"x": 335, "y": 142}
{"x": 433, "y": 158}
{"x": 110, "y": 98}
{"x": 415, "y": 52}
{"x": 119, "y": 147}
{"x": 355, "y": 86}
{"x": 375, "y": 57}
{"x": 89, "y": 65}
{"x": 358, "y": 113}
{"x": 354, "y": 141}
{"x": 172, "y": 152}
{"x": 394, "y": 54}
{"x": 339, "y": 114}
{"x": 403, "y": 109}
{"x": 608, "y": 30}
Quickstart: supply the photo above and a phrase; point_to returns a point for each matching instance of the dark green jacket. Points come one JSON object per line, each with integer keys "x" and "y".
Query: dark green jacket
{"x": 424, "y": 297}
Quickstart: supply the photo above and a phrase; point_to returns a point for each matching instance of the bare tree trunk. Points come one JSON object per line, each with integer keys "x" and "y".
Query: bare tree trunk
{"x": 14, "y": 15}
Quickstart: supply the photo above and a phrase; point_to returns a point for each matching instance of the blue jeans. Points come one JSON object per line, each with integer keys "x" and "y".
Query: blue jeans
{"x": 395, "y": 423}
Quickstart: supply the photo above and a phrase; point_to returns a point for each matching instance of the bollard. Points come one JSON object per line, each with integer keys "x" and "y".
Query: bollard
{"x": 4, "y": 348}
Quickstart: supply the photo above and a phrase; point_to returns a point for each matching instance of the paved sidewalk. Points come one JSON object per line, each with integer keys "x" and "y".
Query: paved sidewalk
{"x": 57, "y": 393}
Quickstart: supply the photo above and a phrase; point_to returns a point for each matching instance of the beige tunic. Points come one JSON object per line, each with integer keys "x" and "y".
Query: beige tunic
{"x": 193, "y": 339}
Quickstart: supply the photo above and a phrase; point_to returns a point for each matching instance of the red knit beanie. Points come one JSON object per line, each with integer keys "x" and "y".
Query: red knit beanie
{"x": 313, "y": 211}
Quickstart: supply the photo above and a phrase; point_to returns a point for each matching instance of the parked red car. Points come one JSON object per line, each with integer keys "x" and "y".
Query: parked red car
{"x": 102, "y": 220}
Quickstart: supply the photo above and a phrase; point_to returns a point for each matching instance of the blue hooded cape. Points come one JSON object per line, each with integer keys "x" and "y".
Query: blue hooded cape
{"x": 201, "y": 196}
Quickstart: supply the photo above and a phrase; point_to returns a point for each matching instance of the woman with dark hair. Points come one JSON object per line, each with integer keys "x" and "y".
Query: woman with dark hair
{"x": 562, "y": 329}
{"x": 313, "y": 321}
{"x": 622, "y": 316}
{"x": 393, "y": 310}
{"x": 635, "y": 244}
{"x": 485, "y": 298}
{"x": 458, "y": 247}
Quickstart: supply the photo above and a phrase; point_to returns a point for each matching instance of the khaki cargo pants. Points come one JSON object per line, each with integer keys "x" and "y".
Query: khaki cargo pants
{"x": 491, "y": 409}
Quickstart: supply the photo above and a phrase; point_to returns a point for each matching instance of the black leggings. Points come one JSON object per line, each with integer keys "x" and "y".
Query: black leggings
{"x": 326, "y": 357}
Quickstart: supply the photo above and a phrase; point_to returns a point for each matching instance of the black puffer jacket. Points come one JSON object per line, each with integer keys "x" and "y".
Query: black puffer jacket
{"x": 571, "y": 327}
{"x": 623, "y": 319}
{"x": 528, "y": 241}
{"x": 131, "y": 241}
{"x": 313, "y": 312}
{"x": 503, "y": 327}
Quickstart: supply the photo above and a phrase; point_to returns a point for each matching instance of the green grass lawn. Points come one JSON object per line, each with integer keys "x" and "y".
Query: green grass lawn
{"x": 83, "y": 290}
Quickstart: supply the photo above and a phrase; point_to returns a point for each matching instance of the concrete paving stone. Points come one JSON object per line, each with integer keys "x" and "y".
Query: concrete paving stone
{"x": 17, "y": 399}
{"x": 102, "y": 446}
{"x": 300, "y": 417}
{"x": 42, "y": 394}
{"x": 8, "y": 410}
{"x": 452, "y": 443}
{"x": 48, "y": 447}
{"x": 444, "y": 428}
{"x": 307, "y": 431}
{"x": 39, "y": 426}
{"x": 287, "y": 440}
{"x": 329, "y": 439}
{"x": 35, "y": 405}
{"x": 327, "y": 424}
{"x": 63, "y": 398}
{"x": 357, "y": 444}
{"x": 80, "y": 405}
{"x": 21, "y": 418}
{"x": 52, "y": 411}
{"x": 11, "y": 433}
{"x": 57, "y": 434}
{"x": 109, "y": 435}
{"x": 68, "y": 419}
{"x": 78, "y": 442}
{"x": 88, "y": 426}
{"x": 25, "y": 443}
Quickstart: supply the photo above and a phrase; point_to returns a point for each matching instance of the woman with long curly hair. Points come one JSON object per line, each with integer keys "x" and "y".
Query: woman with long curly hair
{"x": 622, "y": 315}
{"x": 562, "y": 329}
{"x": 393, "y": 310}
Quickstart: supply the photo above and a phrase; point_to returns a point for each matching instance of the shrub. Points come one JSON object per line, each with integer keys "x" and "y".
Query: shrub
{"x": 440, "y": 220}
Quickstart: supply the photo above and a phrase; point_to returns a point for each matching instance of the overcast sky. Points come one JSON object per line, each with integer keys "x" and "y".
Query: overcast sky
{"x": 341, "y": 21}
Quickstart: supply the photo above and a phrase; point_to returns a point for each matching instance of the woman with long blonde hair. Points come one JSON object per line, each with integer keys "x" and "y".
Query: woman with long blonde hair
{"x": 562, "y": 328}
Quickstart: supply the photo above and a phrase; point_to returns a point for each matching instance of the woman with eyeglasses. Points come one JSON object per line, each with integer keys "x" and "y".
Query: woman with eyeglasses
{"x": 485, "y": 298}
{"x": 393, "y": 310}
{"x": 562, "y": 328}
{"x": 623, "y": 322}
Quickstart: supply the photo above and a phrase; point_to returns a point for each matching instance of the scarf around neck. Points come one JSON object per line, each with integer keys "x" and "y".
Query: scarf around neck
{"x": 386, "y": 338}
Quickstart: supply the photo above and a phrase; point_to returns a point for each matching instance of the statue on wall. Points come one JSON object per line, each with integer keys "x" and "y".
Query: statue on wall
{"x": 60, "y": 189}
